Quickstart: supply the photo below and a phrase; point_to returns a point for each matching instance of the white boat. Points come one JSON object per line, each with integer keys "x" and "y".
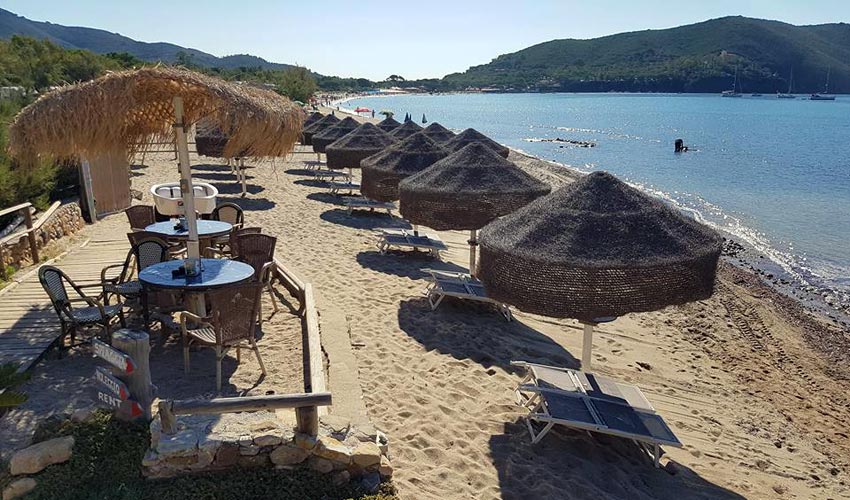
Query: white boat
{"x": 734, "y": 92}
{"x": 825, "y": 96}
{"x": 789, "y": 95}
{"x": 169, "y": 199}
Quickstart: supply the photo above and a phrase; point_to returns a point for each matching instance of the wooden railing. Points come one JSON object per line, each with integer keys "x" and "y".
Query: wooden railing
{"x": 31, "y": 231}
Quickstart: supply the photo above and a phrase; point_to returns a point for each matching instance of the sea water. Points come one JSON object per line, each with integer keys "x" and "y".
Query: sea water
{"x": 774, "y": 173}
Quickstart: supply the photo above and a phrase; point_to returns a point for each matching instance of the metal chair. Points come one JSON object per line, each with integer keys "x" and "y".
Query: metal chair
{"x": 145, "y": 252}
{"x": 140, "y": 216}
{"x": 257, "y": 250}
{"x": 56, "y": 284}
{"x": 231, "y": 324}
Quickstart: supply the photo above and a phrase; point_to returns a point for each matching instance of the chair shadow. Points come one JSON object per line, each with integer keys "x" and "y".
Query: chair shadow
{"x": 576, "y": 461}
{"x": 314, "y": 183}
{"x": 405, "y": 263}
{"x": 473, "y": 330}
{"x": 215, "y": 176}
{"x": 363, "y": 219}
{"x": 138, "y": 166}
{"x": 211, "y": 167}
{"x": 300, "y": 171}
{"x": 329, "y": 198}
{"x": 251, "y": 204}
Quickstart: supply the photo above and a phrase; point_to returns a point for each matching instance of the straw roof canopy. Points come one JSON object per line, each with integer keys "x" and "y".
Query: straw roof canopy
{"x": 438, "y": 133}
{"x": 470, "y": 135}
{"x": 382, "y": 172}
{"x": 388, "y": 124}
{"x": 124, "y": 109}
{"x": 597, "y": 248}
{"x": 326, "y": 137}
{"x": 313, "y": 118}
{"x": 466, "y": 190}
{"x": 405, "y": 130}
{"x": 319, "y": 125}
{"x": 362, "y": 142}
{"x": 209, "y": 139}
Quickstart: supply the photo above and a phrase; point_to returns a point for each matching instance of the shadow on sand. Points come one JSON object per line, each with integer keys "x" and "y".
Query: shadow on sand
{"x": 363, "y": 219}
{"x": 329, "y": 198}
{"x": 314, "y": 183}
{"x": 300, "y": 171}
{"x": 403, "y": 263}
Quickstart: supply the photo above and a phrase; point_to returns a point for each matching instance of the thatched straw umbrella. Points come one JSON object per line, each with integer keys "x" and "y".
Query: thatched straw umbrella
{"x": 405, "y": 130}
{"x": 209, "y": 139}
{"x": 313, "y": 118}
{"x": 319, "y": 125}
{"x": 438, "y": 133}
{"x": 382, "y": 172}
{"x": 597, "y": 248}
{"x": 470, "y": 135}
{"x": 362, "y": 142}
{"x": 465, "y": 191}
{"x": 123, "y": 110}
{"x": 326, "y": 137}
{"x": 388, "y": 124}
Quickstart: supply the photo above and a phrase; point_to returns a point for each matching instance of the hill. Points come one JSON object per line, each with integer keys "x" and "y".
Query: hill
{"x": 699, "y": 57}
{"x": 103, "y": 42}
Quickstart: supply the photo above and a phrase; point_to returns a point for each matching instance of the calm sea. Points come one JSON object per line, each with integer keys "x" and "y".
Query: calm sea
{"x": 775, "y": 173}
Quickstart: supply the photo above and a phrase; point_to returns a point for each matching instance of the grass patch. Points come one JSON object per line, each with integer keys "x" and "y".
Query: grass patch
{"x": 106, "y": 464}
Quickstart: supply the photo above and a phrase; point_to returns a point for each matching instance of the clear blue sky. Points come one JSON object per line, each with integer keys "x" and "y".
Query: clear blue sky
{"x": 412, "y": 38}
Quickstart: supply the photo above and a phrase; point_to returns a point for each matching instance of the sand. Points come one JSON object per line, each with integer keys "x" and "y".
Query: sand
{"x": 761, "y": 411}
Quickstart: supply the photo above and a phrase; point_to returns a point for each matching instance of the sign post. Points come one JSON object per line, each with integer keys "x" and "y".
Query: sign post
{"x": 127, "y": 386}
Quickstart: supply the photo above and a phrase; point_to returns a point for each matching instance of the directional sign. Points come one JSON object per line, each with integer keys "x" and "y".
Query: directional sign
{"x": 132, "y": 407}
{"x": 112, "y": 355}
{"x": 115, "y": 386}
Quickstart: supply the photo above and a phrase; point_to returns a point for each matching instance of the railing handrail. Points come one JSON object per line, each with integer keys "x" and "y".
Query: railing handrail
{"x": 7, "y": 211}
{"x": 35, "y": 227}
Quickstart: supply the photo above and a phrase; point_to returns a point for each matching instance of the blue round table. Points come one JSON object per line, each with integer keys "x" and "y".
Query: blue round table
{"x": 215, "y": 273}
{"x": 206, "y": 229}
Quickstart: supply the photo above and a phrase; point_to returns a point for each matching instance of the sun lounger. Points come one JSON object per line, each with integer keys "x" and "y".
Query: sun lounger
{"x": 336, "y": 187}
{"x": 460, "y": 285}
{"x": 403, "y": 238}
{"x": 328, "y": 175}
{"x": 371, "y": 205}
{"x": 593, "y": 403}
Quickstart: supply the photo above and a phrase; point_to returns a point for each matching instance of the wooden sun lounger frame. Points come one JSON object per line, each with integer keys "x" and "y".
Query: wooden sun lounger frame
{"x": 372, "y": 205}
{"x": 532, "y": 398}
{"x": 436, "y": 293}
{"x": 384, "y": 243}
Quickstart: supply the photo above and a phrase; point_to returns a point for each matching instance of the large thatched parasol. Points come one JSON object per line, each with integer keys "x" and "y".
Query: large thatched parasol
{"x": 326, "y": 137}
{"x": 319, "y": 125}
{"x": 471, "y": 135}
{"x": 209, "y": 139}
{"x": 123, "y": 110}
{"x": 405, "y": 130}
{"x": 466, "y": 190}
{"x": 382, "y": 172}
{"x": 388, "y": 124}
{"x": 438, "y": 133}
{"x": 313, "y": 118}
{"x": 362, "y": 142}
{"x": 597, "y": 248}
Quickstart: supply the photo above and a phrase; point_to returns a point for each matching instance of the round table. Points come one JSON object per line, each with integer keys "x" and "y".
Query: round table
{"x": 207, "y": 229}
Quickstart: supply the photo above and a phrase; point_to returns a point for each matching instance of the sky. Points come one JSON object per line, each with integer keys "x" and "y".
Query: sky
{"x": 415, "y": 39}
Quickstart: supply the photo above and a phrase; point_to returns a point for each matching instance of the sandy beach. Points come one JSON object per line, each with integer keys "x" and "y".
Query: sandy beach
{"x": 744, "y": 379}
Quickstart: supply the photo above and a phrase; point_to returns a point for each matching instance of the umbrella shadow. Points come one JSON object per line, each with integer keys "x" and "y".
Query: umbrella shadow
{"x": 570, "y": 460}
{"x": 211, "y": 167}
{"x": 363, "y": 219}
{"x": 300, "y": 171}
{"x": 214, "y": 176}
{"x": 326, "y": 198}
{"x": 405, "y": 264}
{"x": 315, "y": 183}
{"x": 236, "y": 188}
{"x": 251, "y": 204}
{"x": 477, "y": 331}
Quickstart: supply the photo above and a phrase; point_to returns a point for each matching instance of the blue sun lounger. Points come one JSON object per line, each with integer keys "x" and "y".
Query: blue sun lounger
{"x": 403, "y": 238}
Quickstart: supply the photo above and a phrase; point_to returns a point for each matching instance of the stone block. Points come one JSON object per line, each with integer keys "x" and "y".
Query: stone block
{"x": 150, "y": 459}
{"x": 386, "y": 468}
{"x": 288, "y": 455}
{"x": 305, "y": 441}
{"x": 227, "y": 454}
{"x": 38, "y": 456}
{"x": 261, "y": 460}
{"x": 268, "y": 439}
{"x": 249, "y": 451}
{"x": 371, "y": 482}
{"x": 341, "y": 478}
{"x": 332, "y": 449}
{"x": 19, "y": 488}
{"x": 180, "y": 444}
{"x": 320, "y": 465}
{"x": 366, "y": 454}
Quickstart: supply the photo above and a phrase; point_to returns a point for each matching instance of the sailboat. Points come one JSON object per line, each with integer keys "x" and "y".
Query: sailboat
{"x": 734, "y": 91}
{"x": 825, "y": 96}
{"x": 789, "y": 95}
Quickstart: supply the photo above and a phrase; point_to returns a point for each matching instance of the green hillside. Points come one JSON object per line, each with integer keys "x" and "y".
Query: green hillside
{"x": 695, "y": 58}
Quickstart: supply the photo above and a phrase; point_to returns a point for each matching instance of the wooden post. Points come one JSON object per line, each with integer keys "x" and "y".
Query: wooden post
{"x": 473, "y": 242}
{"x": 85, "y": 174}
{"x": 587, "y": 347}
{"x": 136, "y": 344}
{"x": 166, "y": 417}
{"x": 31, "y": 235}
{"x": 307, "y": 420}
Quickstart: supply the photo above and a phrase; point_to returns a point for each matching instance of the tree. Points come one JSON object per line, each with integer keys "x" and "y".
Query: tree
{"x": 395, "y": 78}
{"x": 297, "y": 83}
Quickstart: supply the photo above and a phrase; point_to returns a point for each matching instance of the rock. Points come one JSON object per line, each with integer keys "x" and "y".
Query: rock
{"x": 644, "y": 365}
{"x": 268, "y": 440}
{"x": 341, "y": 478}
{"x": 305, "y": 441}
{"x": 82, "y": 415}
{"x": 386, "y": 468}
{"x": 38, "y": 456}
{"x": 371, "y": 482}
{"x": 150, "y": 459}
{"x": 18, "y": 488}
{"x": 288, "y": 455}
{"x": 261, "y": 460}
{"x": 383, "y": 442}
{"x": 249, "y": 451}
{"x": 320, "y": 465}
{"x": 180, "y": 444}
{"x": 332, "y": 449}
{"x": 246, "y": 440}
{"x": 366, "y": 454}
{"x": 227, "y": 454}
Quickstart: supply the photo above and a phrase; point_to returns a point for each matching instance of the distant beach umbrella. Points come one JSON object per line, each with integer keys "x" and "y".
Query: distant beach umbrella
{"x": 597, "y": 249}
{"x": 362, "y": 110}
{"x": 465, "y": 191}
{"x": 471, "y": 135}
{"x": 322, "y": 139}
{"x": 438, "y": 133}
{"x": 388, "y": 124}
{"x": 405, "y": 130}
{"x": 313, "y": 118}
{"x": 362, "y": 142}
{"x": 319, "y": 125}
{"x": 382, "y": 172}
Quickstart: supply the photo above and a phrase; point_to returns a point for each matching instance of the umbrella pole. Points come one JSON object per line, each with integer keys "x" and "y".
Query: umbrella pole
{"x": 473, "y": 242}
{"x": 586, "y": 347}
{"x": 193, "y": 247}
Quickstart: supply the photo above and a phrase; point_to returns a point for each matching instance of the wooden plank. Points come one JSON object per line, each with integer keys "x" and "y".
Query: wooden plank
{"x": 7, "y": 211}
{"x": 250, "y": 403}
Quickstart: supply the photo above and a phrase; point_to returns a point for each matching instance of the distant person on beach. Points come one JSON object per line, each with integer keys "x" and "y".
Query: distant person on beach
{"x": 373, "y": 113}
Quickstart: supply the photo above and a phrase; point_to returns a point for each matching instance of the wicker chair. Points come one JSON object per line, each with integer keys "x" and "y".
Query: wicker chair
{"x": 140, "y": 216}
{"x": 229, "y": 212}
{"x": 229, "y": 247}
{"x": 144, "y": 253}
{"x": 175, "y": 248}
{"x": 95, "y": 313}
{"x": 231, "y": 324}
{"x": 257, "y": 250}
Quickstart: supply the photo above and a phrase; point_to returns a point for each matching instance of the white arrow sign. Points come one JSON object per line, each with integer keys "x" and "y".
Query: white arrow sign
{"x": 113, "y": 356}
{"x": 109, "y": 381}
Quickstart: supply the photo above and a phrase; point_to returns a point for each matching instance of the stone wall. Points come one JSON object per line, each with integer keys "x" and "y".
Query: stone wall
{"x": 66, "y": 220}
{"x": 261, "y": 439}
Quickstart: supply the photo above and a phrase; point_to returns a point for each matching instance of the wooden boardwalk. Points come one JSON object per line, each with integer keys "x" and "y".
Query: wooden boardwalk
{"x": 28, "y": 322}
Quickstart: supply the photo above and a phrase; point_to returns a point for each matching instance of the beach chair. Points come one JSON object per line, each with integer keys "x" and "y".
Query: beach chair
{"x": 140, "y": 216}
{"x": 462, "y": 286}
{"x": 372, "y": 205}
{"x": 329, "y": 175}
{"x": 335, "y": 187}
{"x": 403, "y": 238}
{"x": 590, "y": 402}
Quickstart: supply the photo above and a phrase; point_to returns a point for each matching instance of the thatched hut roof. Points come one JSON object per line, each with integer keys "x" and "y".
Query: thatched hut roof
{"x": 388, "y": 124}
{"x": 382, "y": 172}
{"x": 124, "y": 109}
{"x": 313, "y": 118}
{"x": 405, "y": 130}
{"x": 319, "y": 125}
{"x": 596, "y": 248}
{"x": 209, "y": 139}
{"x": 470, "y": 135}
{"x": 362, "y": 142}
{"x": 323, "y": 139}
{"x": 438, "y": 133}
{"x": 466, "y": 190}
